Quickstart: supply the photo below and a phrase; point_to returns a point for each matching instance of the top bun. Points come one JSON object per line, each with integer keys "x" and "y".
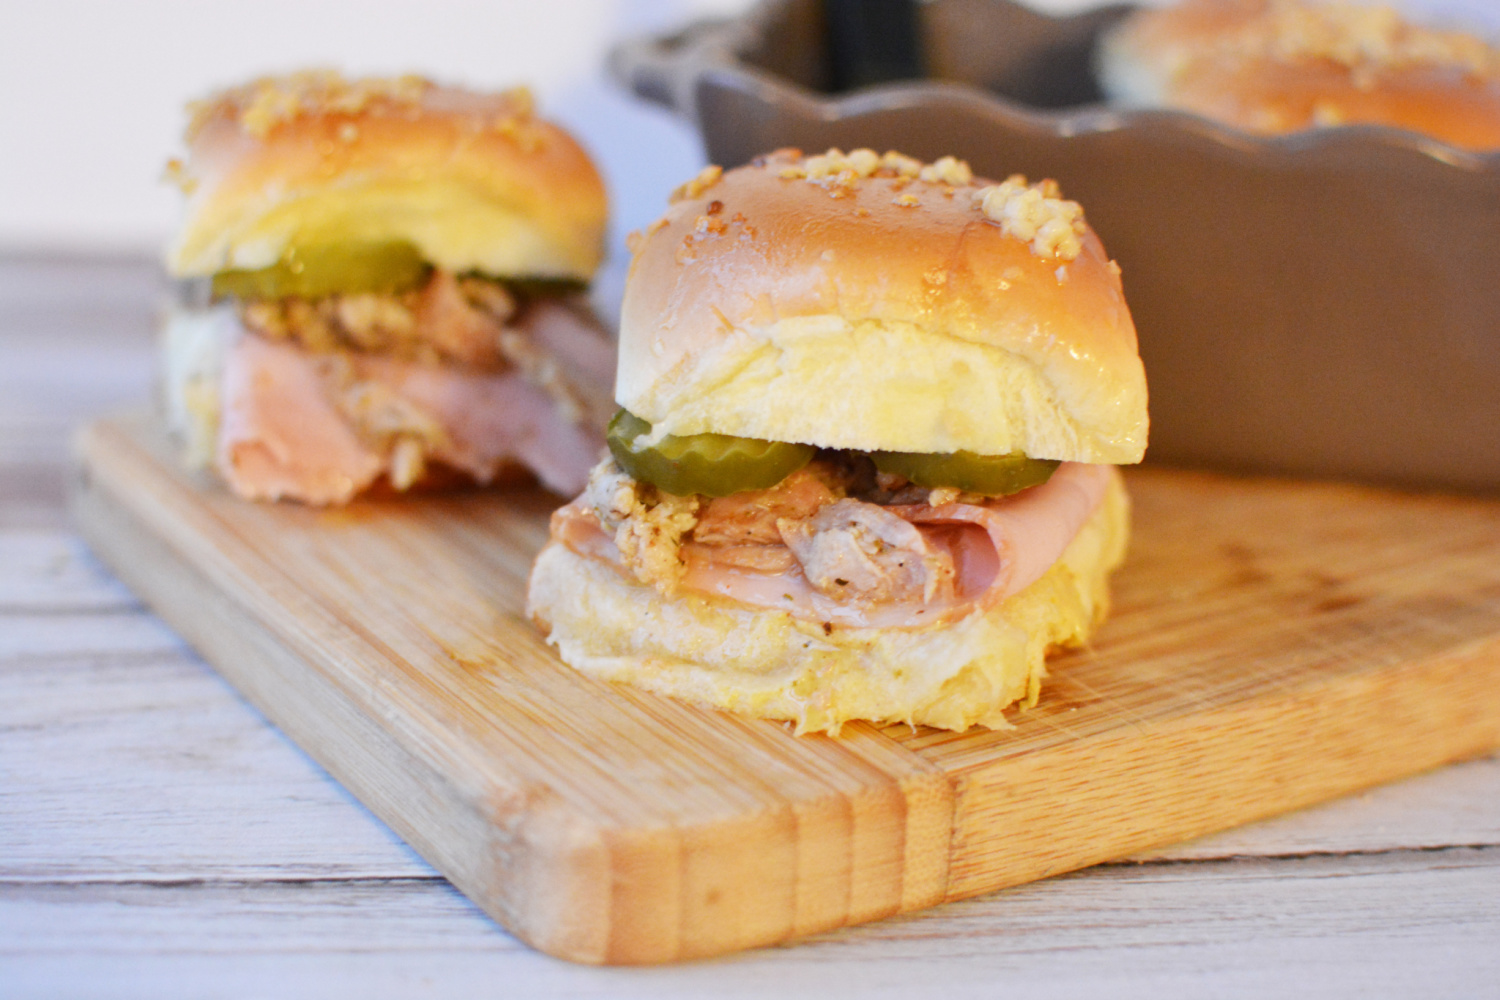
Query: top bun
{"x": 474, "y": 181}
{"x": 1272, "y": 66}
{"x": 877, "y": 303}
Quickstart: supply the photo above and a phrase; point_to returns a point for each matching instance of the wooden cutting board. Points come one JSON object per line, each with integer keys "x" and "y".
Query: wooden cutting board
{"x": 1274, "y": 644}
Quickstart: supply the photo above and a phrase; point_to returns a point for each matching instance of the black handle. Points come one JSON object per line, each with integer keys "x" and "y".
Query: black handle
{"x": 665, "y": 71}
{"x": 873, "y": 41}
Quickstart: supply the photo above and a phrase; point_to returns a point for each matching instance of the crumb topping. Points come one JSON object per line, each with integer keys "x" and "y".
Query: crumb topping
{"x": 1365, "y": 40}
{"x": 518, "y": 123}
{"x": 948, "y": 170}
{"x": 385, "y": 421}
{"x": 707, "y": 178}
{"x": 1035, "y": 213}
{"x": 647, "y": 524}
{"x": 839, "y": 172}
{"x": 449, "y": 320}
{"x": 903, "y": 166}
{"x": 710, "y": 225}
{"x": 262, "y": 104}
{"x": 259, "y": 106}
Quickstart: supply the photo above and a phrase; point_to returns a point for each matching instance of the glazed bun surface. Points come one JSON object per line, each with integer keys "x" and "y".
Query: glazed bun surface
{"x": 474, "y": 181}
{"x": 1274, "y": 66}
{"x": 825, "y": 301}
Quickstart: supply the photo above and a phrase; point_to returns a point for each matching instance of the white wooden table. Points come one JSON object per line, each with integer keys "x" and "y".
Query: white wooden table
{"x": 159, "y": 839}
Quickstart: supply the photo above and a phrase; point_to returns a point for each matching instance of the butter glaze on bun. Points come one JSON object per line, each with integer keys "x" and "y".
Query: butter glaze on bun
{"x": 1273, "y": 66}
{"x": 475, "y": 181}
{"x": 876, "y": 303}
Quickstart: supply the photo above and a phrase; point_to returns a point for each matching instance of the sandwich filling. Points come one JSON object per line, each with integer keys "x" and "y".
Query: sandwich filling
{"x": 859, "y": 469}
{"x": 837, "y": 541}
{"x": 317, "y": 399}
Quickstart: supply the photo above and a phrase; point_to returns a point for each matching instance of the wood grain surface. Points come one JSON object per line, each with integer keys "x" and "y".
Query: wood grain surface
{"x": 1275, "y": 644}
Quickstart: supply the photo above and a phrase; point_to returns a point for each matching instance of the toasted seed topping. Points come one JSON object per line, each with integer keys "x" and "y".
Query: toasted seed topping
{"x": 1036, "y": 213}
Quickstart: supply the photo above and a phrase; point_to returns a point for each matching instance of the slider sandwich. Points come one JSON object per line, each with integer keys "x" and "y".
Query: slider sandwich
{"x": 1272, "y": 66}
{"x": 381, "y": 287}
{"x": 864, "y": 467}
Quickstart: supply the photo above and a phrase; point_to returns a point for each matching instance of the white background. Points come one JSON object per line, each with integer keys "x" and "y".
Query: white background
{"x": 91, "y": 91}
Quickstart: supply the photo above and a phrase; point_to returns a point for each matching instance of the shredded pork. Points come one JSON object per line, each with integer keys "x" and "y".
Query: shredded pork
{"x": 856, "y": 550}
{"x": 461, "y": 374}
{"x": 387, "y": 422}
{"x": 829, "y": 518}
{"x": 471, "y": 323}
{"x": 751, "y": 517}
{"x": 450, "y": 319}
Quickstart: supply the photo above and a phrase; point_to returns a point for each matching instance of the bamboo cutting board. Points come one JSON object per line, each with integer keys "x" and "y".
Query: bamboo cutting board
{"x": 1273, "y": 644}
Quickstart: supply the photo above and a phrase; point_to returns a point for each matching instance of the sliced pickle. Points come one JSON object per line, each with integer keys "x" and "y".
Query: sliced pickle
{"x": 545, "y": 288}
{"x": 318, "y": 270}
{"x": 715, "y": 465}
{"x": 991, "y": 475}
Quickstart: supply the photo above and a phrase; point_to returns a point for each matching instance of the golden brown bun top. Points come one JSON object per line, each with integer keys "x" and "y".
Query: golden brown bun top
{"x": 1273, "y": 66}
{"x": 914, "y": 258}
{"x": 475, "y": 180}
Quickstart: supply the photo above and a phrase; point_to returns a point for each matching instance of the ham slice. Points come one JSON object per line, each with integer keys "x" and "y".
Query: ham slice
{"x": 280, "y": 434}
{"x": 283, "y": 434}
{"x": 997, "y": 549}
{"x": 489, "y": 419}
{"x": 589, "y": 359}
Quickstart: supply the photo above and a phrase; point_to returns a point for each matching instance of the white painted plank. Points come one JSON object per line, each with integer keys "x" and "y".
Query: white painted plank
{"x": 53, "y": 571}
{"x": 76, "y": 340}
{"x": 129, "y": 634}
{"x": 31, "y": 495}
{"x": 125, "y": 757}
{"x": 1406, "y": 925}
{"x": 76, "y": 289}
{"x": 45, "y": 393}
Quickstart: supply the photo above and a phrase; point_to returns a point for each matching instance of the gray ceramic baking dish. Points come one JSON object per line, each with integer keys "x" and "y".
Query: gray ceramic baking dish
{"x": 1324, "y": 304}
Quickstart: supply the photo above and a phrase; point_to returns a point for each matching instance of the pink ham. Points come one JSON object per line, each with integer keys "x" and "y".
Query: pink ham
{"x": 490, "y": 419}
{"x": 1026, "y": 532}
{"x": 588, "y": 357}
{"x": 998, "y": 549}
{"x": 282, "y": 435}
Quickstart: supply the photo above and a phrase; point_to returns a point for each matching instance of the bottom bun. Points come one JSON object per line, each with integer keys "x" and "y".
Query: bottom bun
{"x": 768, "y": 664}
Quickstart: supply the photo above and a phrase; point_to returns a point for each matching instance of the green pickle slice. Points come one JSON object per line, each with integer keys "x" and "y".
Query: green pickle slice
{"x": 991, "y": 475}
{"x": 321, "y": 269}
{"x": 545, "y": 288}
{"x": 715, "y": 465}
